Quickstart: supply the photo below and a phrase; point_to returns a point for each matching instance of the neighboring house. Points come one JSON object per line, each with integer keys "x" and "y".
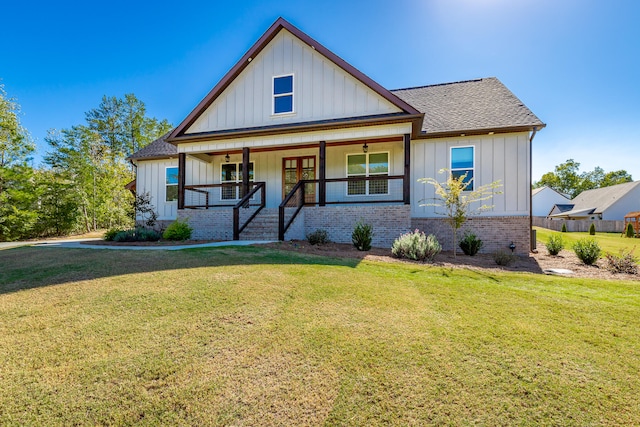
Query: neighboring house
{"x": 607, "y": 203}
{"x": 543, "y": 199}
{"x": 294, "y": 139}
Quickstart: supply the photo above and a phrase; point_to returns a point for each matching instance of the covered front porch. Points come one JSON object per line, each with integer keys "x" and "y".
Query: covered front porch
{"x": 238, "y": 187}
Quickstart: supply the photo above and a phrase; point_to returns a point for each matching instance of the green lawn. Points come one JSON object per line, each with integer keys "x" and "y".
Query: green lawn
{"x": 609, "y": 242}
{"x": 249, "y": 336}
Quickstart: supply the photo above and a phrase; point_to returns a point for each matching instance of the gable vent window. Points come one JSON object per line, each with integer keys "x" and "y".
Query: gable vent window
{"x": 283, "y": 94}
{"x": 462, "y": 163}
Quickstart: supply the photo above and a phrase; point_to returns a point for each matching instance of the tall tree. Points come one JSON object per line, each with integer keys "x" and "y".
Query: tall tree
{"x": 17, "y": 195}
{"x": 567, "y": 179}
{"x": 123, "y": 126}
{"x": 93, "y": 158}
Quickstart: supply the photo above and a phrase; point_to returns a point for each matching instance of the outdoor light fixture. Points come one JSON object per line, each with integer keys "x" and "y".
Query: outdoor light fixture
{"x": 227, "y": 158}
{"x": 365, "y": 148}
{"x": 512, "y": 246}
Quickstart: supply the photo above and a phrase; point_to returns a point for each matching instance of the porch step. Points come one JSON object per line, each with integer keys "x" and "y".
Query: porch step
{"x": 263, "y": 227}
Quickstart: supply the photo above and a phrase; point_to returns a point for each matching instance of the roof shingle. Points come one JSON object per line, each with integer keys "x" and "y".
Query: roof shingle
{"x": 158, "y": 149}
{"x": 471, "y": 105}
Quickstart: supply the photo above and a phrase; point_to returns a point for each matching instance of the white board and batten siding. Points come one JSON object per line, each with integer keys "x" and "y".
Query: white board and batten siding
{"x": 501, "y": 157}
{"x": 322, "y": 91}
{"x": 151, "y": 175}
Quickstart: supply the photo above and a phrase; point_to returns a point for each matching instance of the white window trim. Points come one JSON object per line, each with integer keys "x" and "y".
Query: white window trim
{"x": 166, "y": 185}
{"x": 238, "y": 178}
{"x": 368, "y": 174}
{"x": 472, "y": 169}
{"x": 292, "y": 93}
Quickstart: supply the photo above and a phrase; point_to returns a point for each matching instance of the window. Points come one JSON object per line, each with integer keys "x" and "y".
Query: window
{"x": 232, "y": 173}
{"x": 367, "y": 165}
{"x": 283, "y": 94}
{"x": 461, "y": 164}
{"x": 171, "y": 181}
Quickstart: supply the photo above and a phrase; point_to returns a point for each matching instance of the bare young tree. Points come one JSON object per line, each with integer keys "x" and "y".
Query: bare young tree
{"x": 458, "y": 201}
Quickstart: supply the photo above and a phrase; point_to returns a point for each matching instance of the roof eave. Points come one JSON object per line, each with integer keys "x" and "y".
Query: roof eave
{"x": 414, "y": 119}
{"x": 155, "y": 157}
{"x": 484, "y": 131}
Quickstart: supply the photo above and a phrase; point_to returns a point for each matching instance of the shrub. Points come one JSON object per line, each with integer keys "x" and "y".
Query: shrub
{"x": 362, "y": 236}
{"x": 125, "y": 236}
{"x": 592, "y": 229}
{"x": 178, "y": 230}
{"x": 555, "y": 244}
{"x": 630, "y": 232}
{"x": 416, "y": 246}
{"x": 470, "y": 244}
{"x": 503, "y": 258}
{"x": 587, "y": 250}
{"x": 318, "y": 237}
{"x": 625, "y": 262}
{"x": 138, "y": 234}
{"x": 564, "y": 228}
{"x": 110, "y": 234}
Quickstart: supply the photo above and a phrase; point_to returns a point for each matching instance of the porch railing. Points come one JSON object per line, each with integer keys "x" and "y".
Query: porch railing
{"x": 205, "y": 196}
{"x": 352, "y": 190}
{"x": 248, "y": 201}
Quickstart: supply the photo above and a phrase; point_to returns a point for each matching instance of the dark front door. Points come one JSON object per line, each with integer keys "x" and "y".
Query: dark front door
{"x": 295, "y": 169}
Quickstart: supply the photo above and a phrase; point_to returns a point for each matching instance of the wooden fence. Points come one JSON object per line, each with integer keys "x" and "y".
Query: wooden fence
{"x": 603, "y": 226}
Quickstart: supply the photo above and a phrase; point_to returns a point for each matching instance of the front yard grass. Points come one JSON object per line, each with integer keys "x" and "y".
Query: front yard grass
{"x": 250, "y": 336}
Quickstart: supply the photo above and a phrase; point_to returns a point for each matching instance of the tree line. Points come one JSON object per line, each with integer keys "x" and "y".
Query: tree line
{"x": 567, "y": 178}
{"x": 80, "y": 185}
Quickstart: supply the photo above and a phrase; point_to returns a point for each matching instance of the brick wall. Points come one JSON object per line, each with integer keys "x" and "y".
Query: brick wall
{"x": 388, "y": 222}
{"x": 209, "y": 224}
{"x": 496, "y": 233}
{"x": 296, "y": 230}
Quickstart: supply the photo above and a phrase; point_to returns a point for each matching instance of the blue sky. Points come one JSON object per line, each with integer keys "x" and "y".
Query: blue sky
{"x": 574, "y": 63}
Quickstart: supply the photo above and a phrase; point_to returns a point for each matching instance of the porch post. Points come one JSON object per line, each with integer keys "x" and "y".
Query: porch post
{"x": 322, "y": 184}
{"x": 181, "y": 173}
{"x": 406, "y": 182}
{"x": 245, "y": 171}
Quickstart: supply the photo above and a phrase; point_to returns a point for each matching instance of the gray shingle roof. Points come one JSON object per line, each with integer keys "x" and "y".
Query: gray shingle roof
{"x": 602, "y": 198}
{"x": 158, "y": 149}
{"x": 468, "y": 106}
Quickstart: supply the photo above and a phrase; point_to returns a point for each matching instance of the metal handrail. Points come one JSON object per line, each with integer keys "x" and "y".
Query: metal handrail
{"x": 282, "y": 227}
{"x": 245, "y": 202}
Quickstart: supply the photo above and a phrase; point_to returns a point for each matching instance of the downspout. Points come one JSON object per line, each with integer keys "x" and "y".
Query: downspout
{"x": 532, "y": 243}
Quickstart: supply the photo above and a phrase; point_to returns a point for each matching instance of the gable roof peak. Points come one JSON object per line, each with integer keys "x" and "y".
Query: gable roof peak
{"x": 255, "y": 50}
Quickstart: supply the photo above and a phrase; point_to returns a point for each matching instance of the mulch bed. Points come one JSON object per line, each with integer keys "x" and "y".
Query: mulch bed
{"x": 533, "y": 263}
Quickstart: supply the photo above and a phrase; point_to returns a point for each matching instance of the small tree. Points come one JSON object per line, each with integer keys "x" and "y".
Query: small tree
{"x": 143, "y": 209}
{"x": 630, "y": 232}
{"x": 458, "y": 202}
{"x": 592, "y": 229}
{"x": 564, "y": 228}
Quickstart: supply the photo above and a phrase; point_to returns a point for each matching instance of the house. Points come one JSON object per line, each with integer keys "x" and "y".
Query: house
{"x": 606, "y": 203}
{"x": 544, "y": 199}
{"x": 294, "y": 139}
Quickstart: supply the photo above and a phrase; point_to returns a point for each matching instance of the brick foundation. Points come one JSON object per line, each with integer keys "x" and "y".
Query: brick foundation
{"x": 388, "y": 222}
{"x": 496, "y": 233}
{"x": 209, "y": 224}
